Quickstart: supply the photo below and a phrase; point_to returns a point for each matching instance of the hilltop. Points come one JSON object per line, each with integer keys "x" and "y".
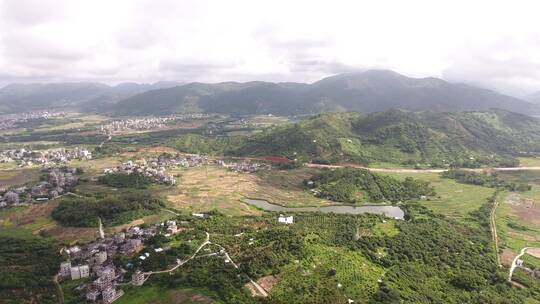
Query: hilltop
{"x": 395, "y": 136}
{"x": 368, "y": 91}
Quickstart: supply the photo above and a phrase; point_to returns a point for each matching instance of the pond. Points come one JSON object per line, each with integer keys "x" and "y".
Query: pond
{"x": 387, "y": 210}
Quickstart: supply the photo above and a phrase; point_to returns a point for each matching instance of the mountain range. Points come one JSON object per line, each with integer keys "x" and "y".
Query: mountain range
{"x": 85, "y": 96}
{"x": 367, "y": 91}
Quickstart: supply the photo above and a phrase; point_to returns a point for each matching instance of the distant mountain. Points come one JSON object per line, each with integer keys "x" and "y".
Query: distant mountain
{"x": 533, "y": 98}
{"x": 80, "y": 95}
{"x": 368, "y": 91}
{"x": 401, "y": 137}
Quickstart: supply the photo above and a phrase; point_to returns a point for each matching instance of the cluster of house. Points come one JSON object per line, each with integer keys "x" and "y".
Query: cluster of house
{"x": 11, "y": 121}
{"x": 94, "y": 261}
{"x": 245, "y": 167}
{"x": 155, "y": 167}
{"x": 174, "y": 161}
{"x": 145, "y": 123}
{"x": 157, "y": 173}
{"x": 56, "y": 182}
{"x": 26, "y": 158}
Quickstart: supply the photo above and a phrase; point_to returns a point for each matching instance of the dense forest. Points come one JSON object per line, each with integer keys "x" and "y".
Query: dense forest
{"x": 112, "y": 209}
{"x": 27, "y": 266}
{"x": 357, "y": 185}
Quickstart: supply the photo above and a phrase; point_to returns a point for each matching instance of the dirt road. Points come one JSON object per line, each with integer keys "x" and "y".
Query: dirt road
{"x": 493, "y": 226}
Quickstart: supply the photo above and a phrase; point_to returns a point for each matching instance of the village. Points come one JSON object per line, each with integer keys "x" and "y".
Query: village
{"x": 155, "y": 167}
{"x": 45, "y": 158}
{"x": 145, "y": 123}
{"x": 94, "y": 263}
{"x": 57, "y": 181}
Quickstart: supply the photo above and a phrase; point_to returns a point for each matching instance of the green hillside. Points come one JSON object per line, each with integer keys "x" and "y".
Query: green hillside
{"x": 468, "y": 139}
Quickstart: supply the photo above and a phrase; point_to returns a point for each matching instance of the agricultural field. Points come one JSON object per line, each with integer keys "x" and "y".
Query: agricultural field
{"x": 18, "y": 177}
{"x": 212, "y": 187}
{"x": 72, "y": 121}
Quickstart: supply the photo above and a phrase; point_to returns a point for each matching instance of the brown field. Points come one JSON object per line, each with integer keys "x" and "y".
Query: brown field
{"x": 18, "y": 177}
{"x": 528, "y": 210}
{"x": 203, "y": 189}
{"x": 507, "y": 256}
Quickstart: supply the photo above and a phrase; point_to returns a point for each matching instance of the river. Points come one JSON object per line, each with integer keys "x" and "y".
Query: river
{"x": 387, "y": 210}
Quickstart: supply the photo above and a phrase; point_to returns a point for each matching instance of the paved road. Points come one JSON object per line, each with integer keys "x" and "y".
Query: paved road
{"x": 513, "y": 266}
{"x": 397, "y": 170}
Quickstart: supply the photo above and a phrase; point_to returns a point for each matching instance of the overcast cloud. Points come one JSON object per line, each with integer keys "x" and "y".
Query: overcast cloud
{"x": 494, "y": 44}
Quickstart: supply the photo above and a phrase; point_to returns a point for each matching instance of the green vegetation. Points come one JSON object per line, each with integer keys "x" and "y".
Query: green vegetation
{"x": 112, "y": 209}
{"x": 448, "y": 264}
{"x": 125, "y": 180}
{"x": 352, "y": 185}
{"x": 469, "y": 139}
{"x": 484, "y": 179}
{"x": 27, "y": 266}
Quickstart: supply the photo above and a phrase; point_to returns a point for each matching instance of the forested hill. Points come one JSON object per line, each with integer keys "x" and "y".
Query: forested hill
{"x": 441, "y": 139}
{"x": 368, "y": 91}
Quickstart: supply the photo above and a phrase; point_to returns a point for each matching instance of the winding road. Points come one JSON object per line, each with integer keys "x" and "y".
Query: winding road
{"x": 227, "y": 256}
{"x": 514, "y": 262}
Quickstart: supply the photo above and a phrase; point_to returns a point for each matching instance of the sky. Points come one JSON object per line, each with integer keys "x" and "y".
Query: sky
{"x": 493, "y": 44}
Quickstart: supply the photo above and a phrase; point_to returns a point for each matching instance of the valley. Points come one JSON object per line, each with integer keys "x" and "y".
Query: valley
{"x": 198, "y": 171}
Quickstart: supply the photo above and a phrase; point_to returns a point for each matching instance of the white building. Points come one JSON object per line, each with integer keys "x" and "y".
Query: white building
{"x": 65, "y": 269}
{"x": 79, "y": 272}
{"x": 285, "y": 219}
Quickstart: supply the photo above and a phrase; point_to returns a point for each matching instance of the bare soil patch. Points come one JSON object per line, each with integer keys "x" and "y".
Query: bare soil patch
{"x": 267, "y": 283}
{"x": 507, "y": 256}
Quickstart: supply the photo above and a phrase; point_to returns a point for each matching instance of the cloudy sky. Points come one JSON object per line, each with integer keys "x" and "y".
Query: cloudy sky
{"x": 493, "y": 43}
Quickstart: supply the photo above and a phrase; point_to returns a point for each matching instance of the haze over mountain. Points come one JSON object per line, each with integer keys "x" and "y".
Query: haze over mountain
{"x": 79, "y": 95}
{"x": 366, "y": 91}
{"x": 533, "y": 98}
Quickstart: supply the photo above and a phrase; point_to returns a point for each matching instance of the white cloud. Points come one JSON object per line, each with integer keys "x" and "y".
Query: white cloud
{"x": 491, "y": 43}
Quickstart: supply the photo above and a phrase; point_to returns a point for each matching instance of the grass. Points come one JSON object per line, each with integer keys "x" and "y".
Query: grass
{"x": 452, "y": 199}
{"x": 531, "y": 262}
{"x": 508, "y": 213}
{"x": 387, "y": 228}
{"x": 529, "y": 161}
